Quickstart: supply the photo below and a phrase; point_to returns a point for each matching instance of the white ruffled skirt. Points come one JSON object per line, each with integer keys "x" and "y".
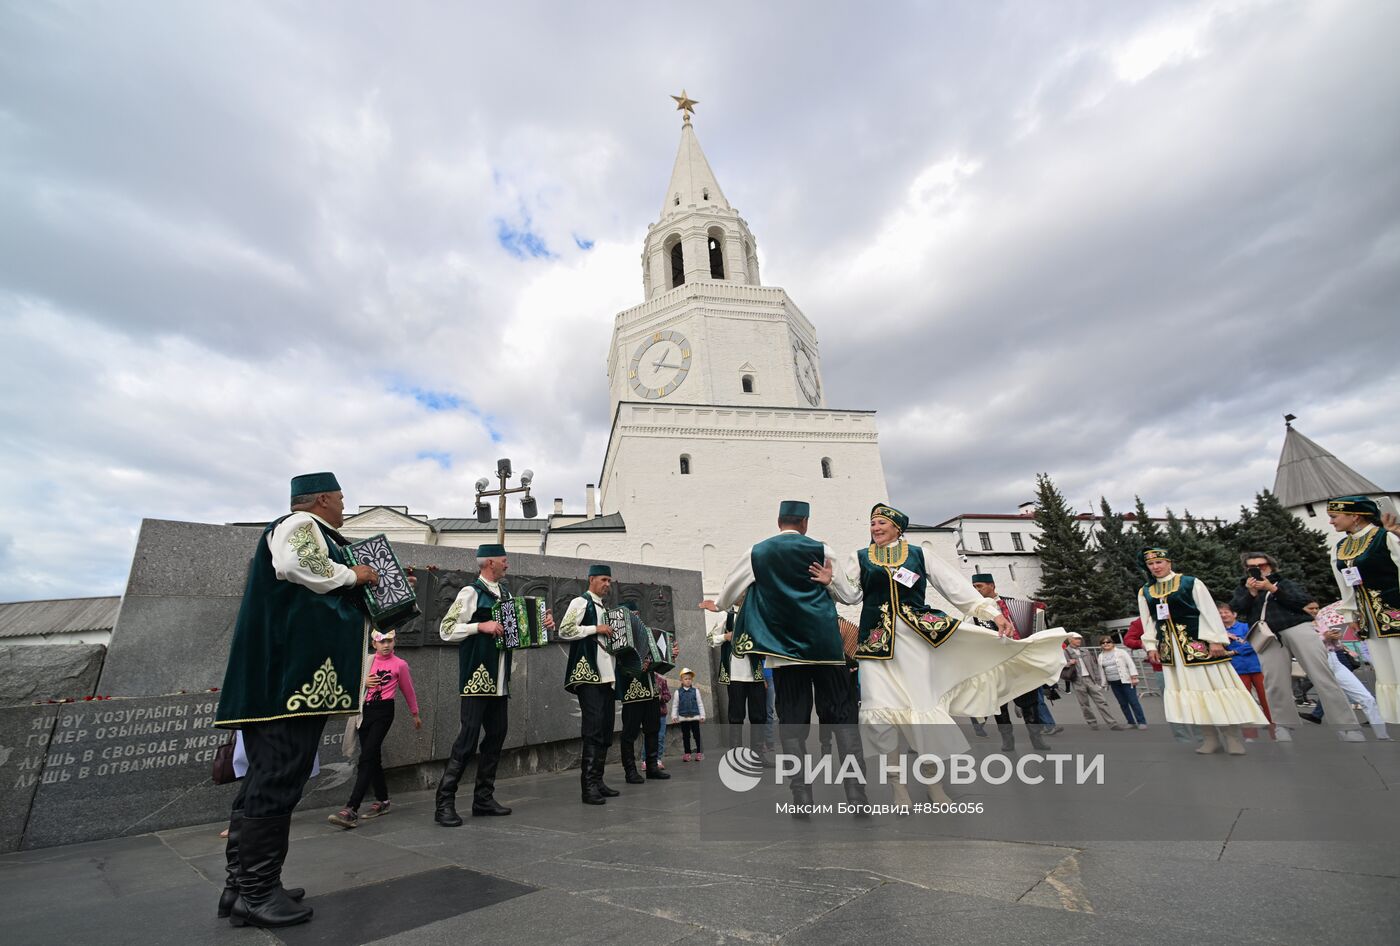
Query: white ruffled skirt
{"x": 1212, "y": 695}
{"x": 1385, "y": 658}
{"x": 916, "y": 693}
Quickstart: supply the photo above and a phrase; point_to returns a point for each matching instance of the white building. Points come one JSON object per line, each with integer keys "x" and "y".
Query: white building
{"x": 1308, "y": 476}
{"x": 718, "y": 413}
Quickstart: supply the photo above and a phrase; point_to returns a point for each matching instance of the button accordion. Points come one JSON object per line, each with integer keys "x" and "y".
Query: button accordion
{"x": 522, "y": 623}
{"x": 390, "y": 601}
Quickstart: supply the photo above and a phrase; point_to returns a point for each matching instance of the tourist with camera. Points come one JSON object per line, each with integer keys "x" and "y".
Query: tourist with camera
{"x": 1272, "y": 606}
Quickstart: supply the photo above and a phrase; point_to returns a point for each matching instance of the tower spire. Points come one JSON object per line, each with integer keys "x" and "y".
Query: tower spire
{"x": 692, "y": 184}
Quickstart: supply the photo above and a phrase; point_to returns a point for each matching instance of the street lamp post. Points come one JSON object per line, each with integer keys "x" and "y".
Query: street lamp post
{"x": 527, "y": 502}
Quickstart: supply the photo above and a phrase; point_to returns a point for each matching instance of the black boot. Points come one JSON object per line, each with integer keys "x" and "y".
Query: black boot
{"x": 651, "y": 744}
{"x": 1037, "y": 741}
{"x": 598, "y": 763}
{"x": 229, "y": 896}
{"x": 446, "y": 810}
{"x": 1008, "y": 737}
{"x": 801, "y": 791}
{"x": 629, "y": 763}
{"x": 262, "y": 846}
{"x": 587, "y": 779}
{"x": 848, "y": 745}
{"x": 484, "y": 797}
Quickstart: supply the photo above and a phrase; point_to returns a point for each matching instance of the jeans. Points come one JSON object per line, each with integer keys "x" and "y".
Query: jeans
{"x": 1044, "y": 709}
{"x": 661, "y": 737}
{"x": 374, "y": 726}
{"x": 1128, "y": 701}
{"x": 1356, "y": 692}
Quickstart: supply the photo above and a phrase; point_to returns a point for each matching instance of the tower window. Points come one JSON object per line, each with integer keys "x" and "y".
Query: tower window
{"x": 1016, "y": 542}
{"x": 716, "y": 255}
{"x": 826, "y": 468}
{"x": 677, "y": 266}
{"x": 986, "y": 539}
{"x": 705, "y": 193}
{"x": 685, "y": 464}
{"x": 1312, "y": 513}
{"x": 678, "y": 200}
{"x": 747, "y": 383}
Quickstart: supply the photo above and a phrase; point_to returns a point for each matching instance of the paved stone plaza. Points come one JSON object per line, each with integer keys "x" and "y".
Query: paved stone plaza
{"x": 1290, "y": 845}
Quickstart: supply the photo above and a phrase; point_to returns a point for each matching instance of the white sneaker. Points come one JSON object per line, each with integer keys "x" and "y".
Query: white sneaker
{"x": 1351, "y": 735}
{"x": 1281, "y": 734}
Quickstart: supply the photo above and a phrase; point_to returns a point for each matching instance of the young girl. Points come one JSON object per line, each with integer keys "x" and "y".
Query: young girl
{"x": 387, "y": 675}
{"x": 688, "y": 709}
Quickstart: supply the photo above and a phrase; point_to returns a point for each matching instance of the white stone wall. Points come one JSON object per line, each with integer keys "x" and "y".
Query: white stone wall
{"x": 397, "y": 528}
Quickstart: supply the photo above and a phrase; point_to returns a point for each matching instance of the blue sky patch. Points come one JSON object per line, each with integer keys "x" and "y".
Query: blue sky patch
{"x": 582, "y": 243}
{"x": 521, "y": 242}
{"x": 443, "y": 458}
{"x": 436, "y": 401}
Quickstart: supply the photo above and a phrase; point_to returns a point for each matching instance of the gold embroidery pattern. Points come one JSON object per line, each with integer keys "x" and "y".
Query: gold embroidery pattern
{"x": 1354, "y": 546}
{"x": 636, "y": 691}
{"x": 324, "y": 692}
{"x": 1383, "y": 620}
{"x": 582, "y": 673}
{"x": 309, "y": 554}
{"x": 723, "y": 672}
{"x": 892, "y": 557}
{"x": 743, "y": 644}
{"x": 879, "y": 642}
{"x": 479, "y": 682}
{"x": 449, "y": 620}
{"x": 1161, "y": 589}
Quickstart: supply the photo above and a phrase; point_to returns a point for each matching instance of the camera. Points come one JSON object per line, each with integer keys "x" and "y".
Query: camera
{"x": 1254, "y": 572}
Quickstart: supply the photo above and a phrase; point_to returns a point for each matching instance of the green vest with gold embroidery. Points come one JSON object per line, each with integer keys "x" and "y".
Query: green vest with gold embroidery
{"x": 886, "y": 601}
{"x": 582, "y": 665}
{"x": 786, "y": 613}
{"x": 294, "y": 652}
{"x": 478, "y": 659}
{"x": 1378, "y": 595}
{"x": 1180, "y": 633}
{"x": 726, "y": 650}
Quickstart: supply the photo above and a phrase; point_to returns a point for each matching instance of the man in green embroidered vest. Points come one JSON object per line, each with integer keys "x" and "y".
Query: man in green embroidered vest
{"x": 483, "y": 685}
{"x": 637, "y": 692}
{"x": 747, "y": 687}
{"x": 789, "y": 619}
{"x": 298, "y": 656}
{"x": 590, "y": 675}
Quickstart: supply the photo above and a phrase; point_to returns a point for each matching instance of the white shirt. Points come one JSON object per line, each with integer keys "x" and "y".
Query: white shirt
{"x": 741, "y": 576}
{"x": 299, "y": 555}
{"x": 452, "y": 630}
{"x": 942, "y": 577}
{"x": 571, "y": 630}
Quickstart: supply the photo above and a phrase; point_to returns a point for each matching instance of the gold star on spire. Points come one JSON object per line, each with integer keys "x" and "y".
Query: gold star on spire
{"x": 685, "y": 103}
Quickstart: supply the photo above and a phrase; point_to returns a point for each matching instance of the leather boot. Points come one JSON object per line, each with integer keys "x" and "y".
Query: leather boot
{"x": 446, "y": 809}
{"x": 1211, "y": 743}
{"x": 1008, "y": 737}
{"x": 484, "y": 797}
{"x": 1037, "y": 739}
{"x": 801, "y": 791}
{"x": 262, "y": 847}
{"x": 229, "y": 896}
{"x": 628, "y": 751}
{"x": 848, "y": 745}
{"x": 650, "y": 744}
{"x": 588, "y": 779}
{"x": 599, "y": 762}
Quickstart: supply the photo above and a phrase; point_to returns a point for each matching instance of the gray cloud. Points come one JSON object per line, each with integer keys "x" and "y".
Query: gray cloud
{"x": 1114, "y": 243}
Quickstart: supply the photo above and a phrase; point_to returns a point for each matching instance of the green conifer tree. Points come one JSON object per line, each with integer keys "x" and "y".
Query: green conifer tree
{"x": 1303, "y": 554}
{"x": 1117, "y": 551}
{"x": 1074, "y": 593}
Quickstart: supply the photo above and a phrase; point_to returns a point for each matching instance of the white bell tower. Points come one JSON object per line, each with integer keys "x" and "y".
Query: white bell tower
{"x": 719, "y": 411}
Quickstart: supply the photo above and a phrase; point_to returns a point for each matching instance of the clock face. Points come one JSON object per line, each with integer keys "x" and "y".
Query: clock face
{"x": 806, "y": 367}
{"x": 659, "y": 364}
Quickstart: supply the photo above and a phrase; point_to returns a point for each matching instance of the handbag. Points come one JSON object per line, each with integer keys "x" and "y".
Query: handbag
{"x": 1345, "y": 658}
{"x": 223, "y": 772}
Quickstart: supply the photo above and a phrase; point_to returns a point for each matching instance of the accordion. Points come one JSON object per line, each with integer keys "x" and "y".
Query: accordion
{"x": 522, "y": 623}
{"x": 390, "y": 601}
{"x": 620, "y": 643}
{"x": 657, "y": 658}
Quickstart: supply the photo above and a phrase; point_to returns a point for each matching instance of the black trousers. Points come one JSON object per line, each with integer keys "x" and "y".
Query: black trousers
{"x": 1030, "y": 709}
{"x": 378, "y": 717}
{"x": 597, "y": 702}
{"x": 280, "y": 755}
{"x": 691, "y": 728}
{"x": 638, "y": 718}
{"x": 484, "y": 720}
{"x": 799, "y": 688}
{"x": 747, "y": 698}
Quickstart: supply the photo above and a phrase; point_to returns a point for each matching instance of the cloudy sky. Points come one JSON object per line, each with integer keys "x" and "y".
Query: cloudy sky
{"x": 1114, "y": 242}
